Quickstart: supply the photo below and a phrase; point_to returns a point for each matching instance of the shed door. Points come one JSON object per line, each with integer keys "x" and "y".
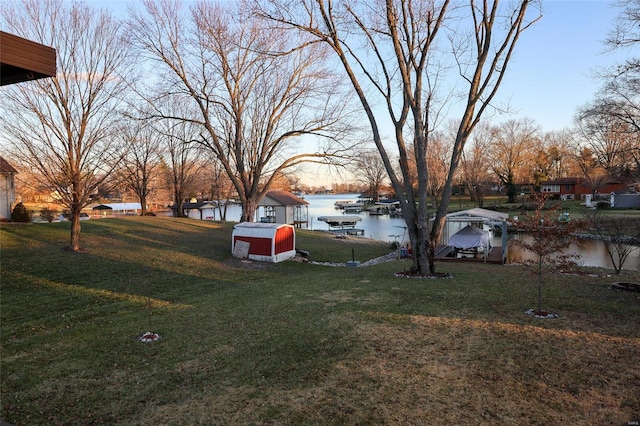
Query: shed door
{"x": 258, "y": 246}
{"x": 284, "y": 239}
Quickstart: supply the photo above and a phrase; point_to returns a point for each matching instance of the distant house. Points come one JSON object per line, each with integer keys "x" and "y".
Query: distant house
{"x": 117, "y": 209}
{"x": 7, "y": 189}
{"x": 201, "y": 210}
{"x": 283, "y": 207}
{"x": 570, "y": 188}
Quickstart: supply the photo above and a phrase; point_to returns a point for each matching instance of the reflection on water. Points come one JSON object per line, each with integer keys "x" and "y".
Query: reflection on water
{"x": 592, "y": 253}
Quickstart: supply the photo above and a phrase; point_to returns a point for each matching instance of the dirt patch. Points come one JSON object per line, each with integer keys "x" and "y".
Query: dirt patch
{"x": 235, "y": 262}
{"x": 443, "y": 371}
{"x": 346, "y": 296}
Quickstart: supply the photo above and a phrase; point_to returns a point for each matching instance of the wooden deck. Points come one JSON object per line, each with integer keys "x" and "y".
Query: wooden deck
{"x": 445, "y": 253}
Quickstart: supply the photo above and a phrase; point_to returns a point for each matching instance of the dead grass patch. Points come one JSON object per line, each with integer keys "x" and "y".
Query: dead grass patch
{"x": 336, "y": 297}
{"x": 455, "y": 371}
{"x": 442, "y": 371}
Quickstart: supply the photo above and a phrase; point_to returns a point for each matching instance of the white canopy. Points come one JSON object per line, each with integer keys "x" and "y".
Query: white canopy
{"x": 468, "y": 237}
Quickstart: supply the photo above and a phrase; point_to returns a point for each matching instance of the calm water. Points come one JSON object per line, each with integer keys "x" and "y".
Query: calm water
{"x": 382, "y": 228}
{"x": 592, "y": 253}
{"x": 385, "y": 228}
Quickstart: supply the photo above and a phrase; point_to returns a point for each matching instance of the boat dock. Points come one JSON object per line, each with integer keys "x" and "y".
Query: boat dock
{"x": 349, "y": 231}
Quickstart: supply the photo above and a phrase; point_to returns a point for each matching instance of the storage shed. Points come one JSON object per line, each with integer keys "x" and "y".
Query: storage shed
{"x": 268, "y": 242}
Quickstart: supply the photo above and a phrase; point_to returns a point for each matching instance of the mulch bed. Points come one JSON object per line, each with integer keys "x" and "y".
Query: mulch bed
{"x": 437, "y": 275}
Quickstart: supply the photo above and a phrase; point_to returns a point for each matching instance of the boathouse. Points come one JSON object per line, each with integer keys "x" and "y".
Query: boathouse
{"x": 202, "y": 210}
{"x": 484, "y": 220}
{"x": 117, "y": 209}
{"x": 283, "y": 207}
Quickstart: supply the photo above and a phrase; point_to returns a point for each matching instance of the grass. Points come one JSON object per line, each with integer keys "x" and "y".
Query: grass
{"x": 295, "y": 343}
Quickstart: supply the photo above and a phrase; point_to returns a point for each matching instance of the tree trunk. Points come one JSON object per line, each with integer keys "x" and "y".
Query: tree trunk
{"x": 143, "y": 205}
{"x": 248, "y": 210}
{"x": 75, "y": 228}
{"x": 511, "y": 189}
{"x": 540, "y": 284}
{"x": 511, "y": 192}
{"x": 419, "y": 250}
{"x": 417, "y": 223}
{"x": 434, "y": 238}
{"x": 479, "y": 197}
{"x": 177, "y": 198}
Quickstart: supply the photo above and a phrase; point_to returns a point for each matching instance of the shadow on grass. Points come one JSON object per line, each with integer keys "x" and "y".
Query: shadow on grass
{"x": 295, "y": 343}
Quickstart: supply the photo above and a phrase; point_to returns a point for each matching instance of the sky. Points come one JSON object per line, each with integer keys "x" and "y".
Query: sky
{"x": 552, "y": 74}
{"x": 553, "y": 71}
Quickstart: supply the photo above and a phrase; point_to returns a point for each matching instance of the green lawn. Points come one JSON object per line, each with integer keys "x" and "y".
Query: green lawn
{"x": 297, "y": 343}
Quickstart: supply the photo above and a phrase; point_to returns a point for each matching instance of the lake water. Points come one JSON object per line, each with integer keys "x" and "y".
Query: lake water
{"x": 592, "y": 253}
{"x": 382, "y": 228}
{"x": 385, "y": 228}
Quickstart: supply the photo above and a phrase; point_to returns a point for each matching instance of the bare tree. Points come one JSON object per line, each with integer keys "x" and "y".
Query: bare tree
{"x": 616, "y": 106}
{"x": 438, "y": 155}
{"x": 513, "y": 143}
{"x": 548, "y": 239}
{"x": 557, "y": 159}
{"x": 594, "y": 175}
{"x": 393, "y": 53}
{"x": 621, "y": 236}
{"x": 62, "y": 126}
{"x": 623, "y": 81}
{"x": 258, "y": 104}
{"x": 613, "y": 143}
{"x": 179, "y": 157}
{"x": 476, "y": 162}
{"x": 140, "y": 164}
{"x": 369, "y": 169}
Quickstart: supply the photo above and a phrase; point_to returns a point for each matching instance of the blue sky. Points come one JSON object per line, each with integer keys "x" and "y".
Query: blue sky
{"x": 552, "y": 72}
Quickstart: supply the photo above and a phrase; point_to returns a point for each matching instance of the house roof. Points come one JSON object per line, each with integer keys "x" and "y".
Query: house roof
{"x": 563, "y": 181}
{"x": 282, "y": 198}
{"x": 5, "y": 167}
{"x": 477, "y": 213}
{"x": 199, "y": 205}
{"x": 24, "y": 60}
{"x": 118, "y": 206}
{"x": 577, "y": 180}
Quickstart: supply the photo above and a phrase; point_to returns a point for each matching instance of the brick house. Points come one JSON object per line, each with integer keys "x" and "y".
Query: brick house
{"x": 570, "y": 188}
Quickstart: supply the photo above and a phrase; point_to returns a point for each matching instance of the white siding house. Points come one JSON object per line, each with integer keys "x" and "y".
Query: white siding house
{"x": 283, "y": 207}
{"x": 7, "y": 189}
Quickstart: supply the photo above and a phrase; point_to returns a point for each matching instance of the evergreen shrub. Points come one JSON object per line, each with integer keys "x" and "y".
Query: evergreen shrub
{"x": 20, "y": 214}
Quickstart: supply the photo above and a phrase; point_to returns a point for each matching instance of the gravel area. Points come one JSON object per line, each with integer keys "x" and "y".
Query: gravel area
{"x": 386, "y": 258}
